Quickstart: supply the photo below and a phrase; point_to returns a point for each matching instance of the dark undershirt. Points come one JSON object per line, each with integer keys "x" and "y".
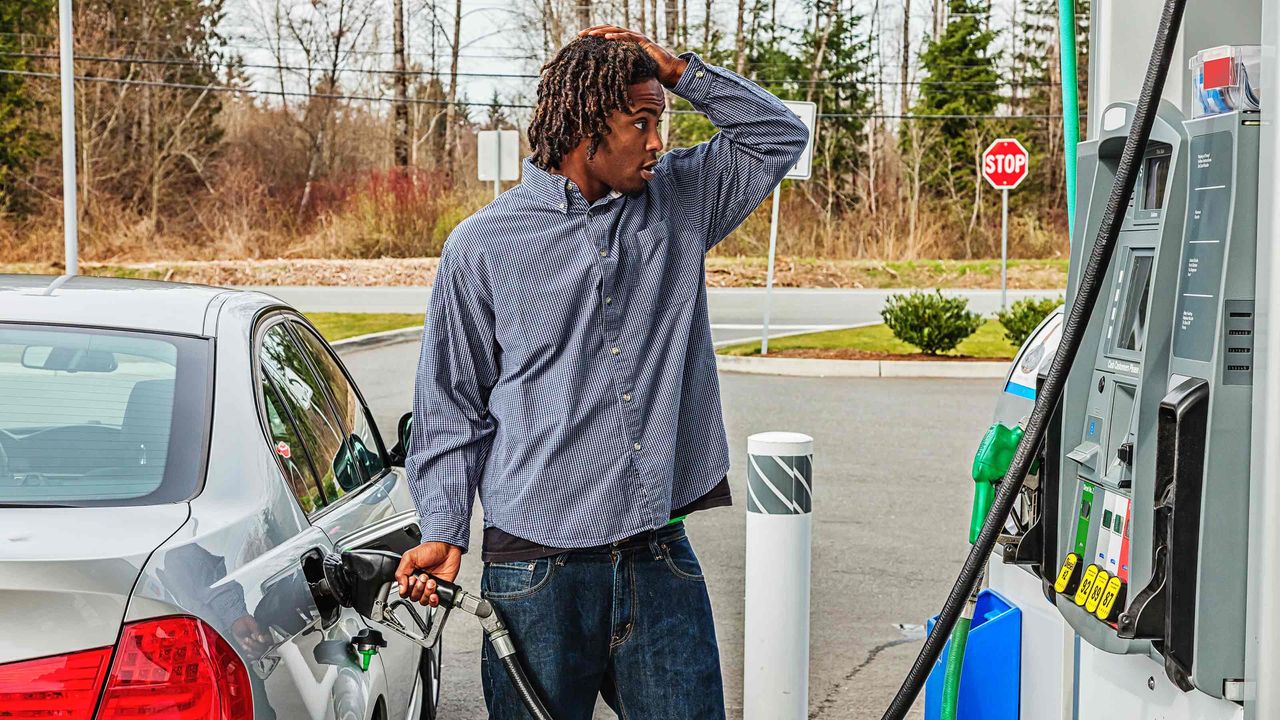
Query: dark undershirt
{"x": 500, "y": 546}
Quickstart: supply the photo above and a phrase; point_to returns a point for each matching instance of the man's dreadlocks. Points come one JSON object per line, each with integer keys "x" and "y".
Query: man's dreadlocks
{"x": 580, "y": 87}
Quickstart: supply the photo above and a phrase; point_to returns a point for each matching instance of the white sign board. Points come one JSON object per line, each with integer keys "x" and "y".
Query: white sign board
{"x": 808, "y": 114}
{"x": 498, "y": 154}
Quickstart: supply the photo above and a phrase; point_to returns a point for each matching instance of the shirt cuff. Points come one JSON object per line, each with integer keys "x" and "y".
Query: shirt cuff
{"x": 446, "y": 528}
{"x": 696, "y": 81}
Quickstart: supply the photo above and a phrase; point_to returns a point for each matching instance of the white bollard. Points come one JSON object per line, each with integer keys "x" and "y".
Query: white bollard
{"x": 779, "y": 533}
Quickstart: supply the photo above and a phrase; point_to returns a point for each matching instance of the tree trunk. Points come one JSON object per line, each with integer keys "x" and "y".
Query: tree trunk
{"x": 451, "y": 109}
{"x": 739, "y": 42}
{"x": 706, "y": 27}
{"x": 584, "y": 13}
{"x": 626, "y": 13}
{"x": 401, "y": 90}
{"x": 905, "y": 72}
{"x": 644, "y": 27}
{"x": 673, "y": 22}
{"x": 653, "y": 19}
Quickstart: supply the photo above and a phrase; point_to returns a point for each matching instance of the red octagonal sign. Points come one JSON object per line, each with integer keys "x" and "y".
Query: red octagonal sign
{"x": 1004, "y": 164}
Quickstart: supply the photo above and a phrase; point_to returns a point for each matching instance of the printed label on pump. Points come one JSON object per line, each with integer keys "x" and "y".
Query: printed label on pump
{"x": 1115, "y": 549}
{"x": 1068, "y": 575}
{"x": 1112, "y": 599}
{"x": 1104, "y": 530}
{"x": 1124, "y": 546}
{"x": 1086, "y": 585}
{"x": 1096, "y": 591}
{"x": 1082, "y": 525}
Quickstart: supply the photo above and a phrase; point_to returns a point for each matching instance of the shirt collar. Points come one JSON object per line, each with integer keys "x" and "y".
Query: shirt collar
{"x": 553, "y": 189}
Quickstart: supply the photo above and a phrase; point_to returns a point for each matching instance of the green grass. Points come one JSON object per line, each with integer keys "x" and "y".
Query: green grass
{"x": 987, "y": 342}
{"x": 337, "y": 326}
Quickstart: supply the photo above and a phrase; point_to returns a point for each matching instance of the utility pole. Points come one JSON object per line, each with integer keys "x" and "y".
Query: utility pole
{"x": 401, "y": 90}
{"x": 66, "y": 70}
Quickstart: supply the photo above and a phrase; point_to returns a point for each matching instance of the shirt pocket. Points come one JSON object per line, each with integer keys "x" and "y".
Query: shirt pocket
{"x": 662, "y": 270}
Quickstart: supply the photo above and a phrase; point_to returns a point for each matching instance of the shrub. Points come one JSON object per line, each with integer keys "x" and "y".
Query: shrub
{"x": 1023, "y": 316}
{"x": 930, "y": 321}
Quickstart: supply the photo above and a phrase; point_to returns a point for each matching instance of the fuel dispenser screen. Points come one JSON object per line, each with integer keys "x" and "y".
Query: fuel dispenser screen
{"x": 1132, "y": 328}
{"x": 1157, "y": 172}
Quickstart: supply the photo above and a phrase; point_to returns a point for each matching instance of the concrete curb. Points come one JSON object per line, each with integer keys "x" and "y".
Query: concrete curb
{"x": 806, "y": 367}
{"x": 378, "y": 339}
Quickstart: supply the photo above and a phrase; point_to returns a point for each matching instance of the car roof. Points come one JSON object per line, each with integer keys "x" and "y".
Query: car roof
{"x": 126, "y": 304}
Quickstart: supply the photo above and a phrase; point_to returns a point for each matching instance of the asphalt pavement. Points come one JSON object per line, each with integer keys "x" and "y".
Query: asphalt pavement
{"x": 891, "y": 509}
{"x": 736, "y": 313}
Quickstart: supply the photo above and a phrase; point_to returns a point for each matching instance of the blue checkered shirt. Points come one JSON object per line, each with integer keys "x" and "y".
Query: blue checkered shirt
{"x": 567, "y": 368}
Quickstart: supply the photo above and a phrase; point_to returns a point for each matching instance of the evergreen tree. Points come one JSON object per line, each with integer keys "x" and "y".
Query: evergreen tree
{"x": 19, "y": 140}
{"x": 961, "y": 80}
{"x": 834, "y": 66}
{"x": 1037, "y": 91}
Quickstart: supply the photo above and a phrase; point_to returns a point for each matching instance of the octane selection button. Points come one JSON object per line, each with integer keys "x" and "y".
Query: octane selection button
{"x": 1069, "y": 576}
{"x": 1086, "y": 584}
{"x": 1112, "y": 600}
{"x": 1095, "y": 592}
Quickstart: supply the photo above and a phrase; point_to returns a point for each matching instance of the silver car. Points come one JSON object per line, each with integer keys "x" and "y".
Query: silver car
{"x": 175, "y": 461}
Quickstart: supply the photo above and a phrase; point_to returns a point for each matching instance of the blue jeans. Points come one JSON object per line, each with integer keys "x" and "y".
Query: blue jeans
{"x": 629, "y": 621}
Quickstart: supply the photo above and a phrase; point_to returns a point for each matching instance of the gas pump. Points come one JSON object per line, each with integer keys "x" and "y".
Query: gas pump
{"x": 1131, "y": 562}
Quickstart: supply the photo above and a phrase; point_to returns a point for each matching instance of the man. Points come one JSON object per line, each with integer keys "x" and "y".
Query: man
{"x": 567, "y": 372}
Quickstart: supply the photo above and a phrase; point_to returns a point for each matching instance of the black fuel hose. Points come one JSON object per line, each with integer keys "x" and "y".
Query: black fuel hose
{"x": 1072, "y": 332}
{"x": 528, "y": 696}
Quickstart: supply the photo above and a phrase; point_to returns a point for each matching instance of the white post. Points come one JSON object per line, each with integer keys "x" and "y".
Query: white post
{"x": 768, "y": 286}
{"x": 1004, "y": 249}
{"x": 497, "y": 163}
{"x": 66, "y": 68}
{"x": 779, "y": 536}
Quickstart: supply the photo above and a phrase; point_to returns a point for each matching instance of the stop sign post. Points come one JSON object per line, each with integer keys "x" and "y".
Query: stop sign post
{"x": 1004, "y": 166}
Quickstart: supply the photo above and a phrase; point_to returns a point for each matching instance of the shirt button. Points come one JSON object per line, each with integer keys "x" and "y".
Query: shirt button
{"x": 563, "y": 206}
{"x": 604, "y": 253}
{"x": 614, "y": 350}
{"x": 626, "y": 397}
{"x": 636, "y": 447}
{"x": 608, "y": 301}
{"x": 699, "y": 74}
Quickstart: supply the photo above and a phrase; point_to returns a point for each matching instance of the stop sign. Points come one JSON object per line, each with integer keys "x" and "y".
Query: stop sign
{"x": 1004, "y": 164}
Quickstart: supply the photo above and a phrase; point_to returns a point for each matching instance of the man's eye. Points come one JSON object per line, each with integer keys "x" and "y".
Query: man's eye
{"x": 641, "y": 124}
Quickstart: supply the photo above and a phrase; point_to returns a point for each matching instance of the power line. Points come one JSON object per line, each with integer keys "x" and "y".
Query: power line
{"x": 421, "y": 101}
{"x": 181, "y": 62}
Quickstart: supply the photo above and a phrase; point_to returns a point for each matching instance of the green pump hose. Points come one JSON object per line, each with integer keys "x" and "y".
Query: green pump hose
{"x": 955, "y": 663}
{"x": 1070, "y": 103}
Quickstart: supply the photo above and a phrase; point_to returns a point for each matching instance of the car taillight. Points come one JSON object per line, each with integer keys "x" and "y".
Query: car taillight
{"x": 63, "y": 686}
{"x": 176, "y": 667}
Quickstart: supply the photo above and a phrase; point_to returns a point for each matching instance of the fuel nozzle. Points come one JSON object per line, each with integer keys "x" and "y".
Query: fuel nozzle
{"x": 990, "y": 463}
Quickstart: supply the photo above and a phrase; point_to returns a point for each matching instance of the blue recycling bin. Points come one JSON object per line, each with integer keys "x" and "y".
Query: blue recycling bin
{"x": 992, "y": 674}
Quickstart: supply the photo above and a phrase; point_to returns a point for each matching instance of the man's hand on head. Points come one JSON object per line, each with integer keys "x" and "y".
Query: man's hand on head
{"x": 439, "y": 559}
{"x": 670, "y": 67}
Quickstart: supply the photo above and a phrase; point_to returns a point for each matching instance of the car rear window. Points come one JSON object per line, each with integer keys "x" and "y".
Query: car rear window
{"x": 93, "y": 417}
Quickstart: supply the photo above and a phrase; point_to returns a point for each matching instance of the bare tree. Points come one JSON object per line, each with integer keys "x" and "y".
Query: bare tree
{"x": 905, "y": 70}
{"x": 673, "y": 22}
{"x": 450, "y": 132}
{"x": 739, "y": 41}
{"x": 401, "y": 89}
{"x": 583, "y": 12}
{"x": 706, "y": 27}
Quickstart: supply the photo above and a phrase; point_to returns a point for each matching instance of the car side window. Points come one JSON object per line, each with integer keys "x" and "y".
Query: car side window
{"x": 290, "y": 452}
{"x": 366, "y": 447}
{"x": 285, "y": 364}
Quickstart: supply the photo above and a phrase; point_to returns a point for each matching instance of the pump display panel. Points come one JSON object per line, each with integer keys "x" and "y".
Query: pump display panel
{"x": 1130, "y": 330}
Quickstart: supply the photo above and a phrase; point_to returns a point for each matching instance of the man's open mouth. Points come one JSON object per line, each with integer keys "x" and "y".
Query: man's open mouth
{"x": 646, "y": 171}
